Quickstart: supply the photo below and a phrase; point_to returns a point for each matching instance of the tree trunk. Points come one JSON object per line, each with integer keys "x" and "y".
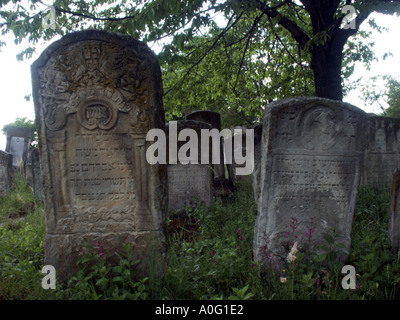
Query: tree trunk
{"x": 326, "y": 63}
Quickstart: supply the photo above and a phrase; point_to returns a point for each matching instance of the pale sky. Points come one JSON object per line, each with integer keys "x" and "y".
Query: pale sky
{"x": 15, "y": 80}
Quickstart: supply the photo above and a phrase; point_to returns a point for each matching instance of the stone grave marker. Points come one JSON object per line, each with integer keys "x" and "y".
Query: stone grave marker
{"x": 394, "y": 213}
{"x": 37, "y": 181}
{"x": 257, "y": 158}
{"x": 382, "y": 156}
{"x": 242, "y": 147}
{"x": 310, "y": 168}
{"x": 18, "y": 141}
{"x": 5, "y": 172}
{"x": 188, "y": 184}
{"x": 96, "y": 96}
{"x": 214, "y": 118}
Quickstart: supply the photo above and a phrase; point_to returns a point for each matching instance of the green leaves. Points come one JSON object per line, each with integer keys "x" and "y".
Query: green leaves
{"x": 97, "y": 279}
{"x": 241, "y": 294}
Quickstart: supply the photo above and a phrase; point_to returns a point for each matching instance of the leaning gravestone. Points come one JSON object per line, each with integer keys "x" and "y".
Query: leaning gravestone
{"x": 191, "y": 183}
{"x": 5, "y": 172}
{"x": 311, "y": 159}
{"x": 18, "y": 141}
{"x": 96, "y": 96}
{"x": 382, "y": 156}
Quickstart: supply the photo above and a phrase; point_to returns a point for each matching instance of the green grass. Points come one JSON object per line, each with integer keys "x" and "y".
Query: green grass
{"x": 210, "y": 257}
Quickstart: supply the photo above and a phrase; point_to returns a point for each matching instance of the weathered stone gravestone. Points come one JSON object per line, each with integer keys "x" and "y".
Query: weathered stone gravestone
{"x": 188, "y": 184}
{"x": 382, "y": 156}
{"x": 5, "y": 172}
{"x": 214, "y": 118}
{"x": 310, "y": 168}
{"x": 96, "y": 96}
{"x": 18, "y": 141}
{"x": 257, "y": 158}
{"x": 37, "y": 181}
{"x": 239, "y": 146}
{"x": 394, "y": 213}
{"x": 28, "y": 166}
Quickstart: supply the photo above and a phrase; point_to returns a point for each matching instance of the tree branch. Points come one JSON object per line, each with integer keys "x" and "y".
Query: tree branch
{"x": 250, "y": 35}
{"x": 220, "y": 35}
{"x": 299, "y": 35}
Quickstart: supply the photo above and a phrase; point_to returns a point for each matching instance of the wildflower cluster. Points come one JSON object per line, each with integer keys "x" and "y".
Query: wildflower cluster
{"x": 99, "y": 248}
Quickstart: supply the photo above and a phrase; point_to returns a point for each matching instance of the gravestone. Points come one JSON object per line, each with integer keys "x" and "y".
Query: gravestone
{"x": 257, "y": 158}
{"x": 188, "y": 184}
{"x": 28, "y": 166}
{"x": 310, "y": 168}
{"x": 214, "y": 118}
{"x": 238, "y": 143}
{"x": 37, "y": 181}
{"x": 96, "y": 96}
{"x": 5, "y": 172}
{"x": 394, "y": 213}
{"x": 382, "y": 156}
{"x": 18, "y": 141}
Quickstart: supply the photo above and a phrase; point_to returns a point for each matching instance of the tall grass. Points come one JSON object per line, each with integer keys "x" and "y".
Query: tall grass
{"x": 209, "y": 257}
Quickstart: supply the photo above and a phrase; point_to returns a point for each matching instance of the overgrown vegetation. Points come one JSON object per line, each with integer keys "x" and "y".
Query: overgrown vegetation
{"x": 210, "y": 257}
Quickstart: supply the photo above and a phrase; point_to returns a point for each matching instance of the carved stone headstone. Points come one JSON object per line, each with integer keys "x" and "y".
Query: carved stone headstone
{"x": 311, "y": 162}
{"x": 189, "y": 184}
{"x": 18, "y": 141}
{"x": 96, "y": 96}
{"x": 5, "y": 172}
{"x": 382, "y": 156}
{"x": 37, "y": 181}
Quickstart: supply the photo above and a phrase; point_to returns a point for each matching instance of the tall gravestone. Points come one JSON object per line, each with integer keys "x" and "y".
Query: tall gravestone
{"x": 5, "y": 172}
{"x": 238, "y": 143}
{"x": 37, "y": 181}
{"x": 257, "y": 158}
{"x": 18, "y": 141}
{"x": 96, "y": 96}
{"x": 382, "y": 156}
{"x": 394, "y": 213}
{"x": 214, "y": 118}
{"x": 310, "y": 169}
{"x": 191, "y": 183}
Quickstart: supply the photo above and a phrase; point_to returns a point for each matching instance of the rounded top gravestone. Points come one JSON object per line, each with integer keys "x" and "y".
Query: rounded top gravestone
{"x": 96, "y": 96}
{"x": 312, "y": 151}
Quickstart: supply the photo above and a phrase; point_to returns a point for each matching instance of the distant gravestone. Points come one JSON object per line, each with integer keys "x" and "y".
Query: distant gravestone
{"x": 257, "y": 158}
{"x": 214, "y": 118}
{"x": 5, "y": 172}
{"x": 18, "y": 141}
{"x": 311, "y": 162}
{"x": 28, "y": 166}
{"x": 96, "y": 96}
{"x": 189, "y": 184}
{"x": 394, "y": 213}
{"x": 37, "y": 181}
{"x": 239, "y": 146}
{"x": 382, "y": 156}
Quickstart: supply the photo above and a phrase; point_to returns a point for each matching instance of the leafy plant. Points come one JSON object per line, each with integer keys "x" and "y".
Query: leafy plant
{"x": 96, "y": 279}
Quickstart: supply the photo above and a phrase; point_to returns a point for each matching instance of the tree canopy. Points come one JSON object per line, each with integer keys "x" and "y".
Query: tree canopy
{"x": 388, "y": 99}
{"x": 230, "y": 56}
